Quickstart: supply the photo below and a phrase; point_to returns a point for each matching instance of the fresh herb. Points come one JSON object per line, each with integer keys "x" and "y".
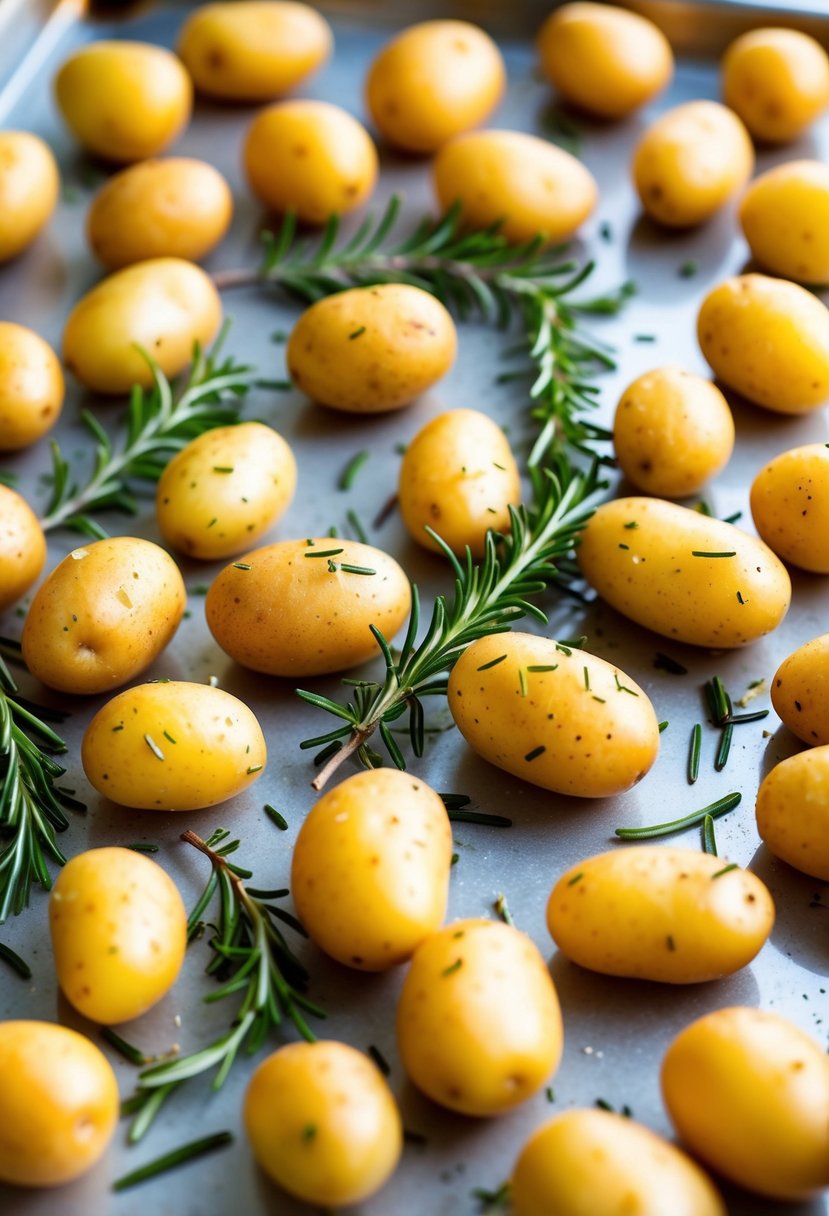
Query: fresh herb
{"x": 242, "y": 566}
{"x": 139, "y": 846}
{"x": 357, "y": 333}
{"x": 721, "y": 807}
{"x": 491, "y": 663}
{"x": 276, "y": 817}
{"x": 453, "y": 967}
{"x": 492, "y": 1201}
{"x": 663, "y": 726}
{"x": 324, "y": 553}
{"x": 187, "y": 1152}
{"x": 380, "y": 1060}
{"x": 687, "y": 270}
{"x": 14, "y": 960}
{"x": 694, "y": 752}
{"x": 664, "y": 662}
{"x": 725, "y": 870}
{"x": 709, "y": 840}
{"x": 502, "y": 908}
{"x": 351, "y": 470}
{"x": 356, "y": 525}
{"x": 154, "y": 748}
{"x": 721, "y": 758}
{"x": 571, "y": 882}
{"x": 134, "y": 1054}
{"x": 703, "y": 553}
{"x": 488, "y": 821}
{"x": 535, "y": 753}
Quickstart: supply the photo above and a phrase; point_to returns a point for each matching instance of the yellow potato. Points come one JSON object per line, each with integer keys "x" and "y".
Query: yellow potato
{"x": 478, "y": 1020}
{"x": 432, "y": 81}
{"x": 459, "y": 477}
{"x": 371, "y": 348}
{"x": 164, "y": 306}
{"x": 683, "y": 574}
{"x": 559, "y": 718}
{"x": 605, "y": 60}
{"x": 124, "y": 100}
{"x": 119, "y": 932}
{"x": 291, "y": 609}
{"x": 309, "y": 157}
{"x": 777, "y": 80}
{"x": 225, "y": 489}
{"x": 784, "y": 215}
{"x": 253, "y": 50}
{"x": 672, "y": 432}
{"x": 31, "y": 387}
{"x": 22, "y": 546}
{"x": 748, "y": 1092}
{"x": 173, "y": 746}
{"x": 526, "y": 183}
{"x": 800, "y": 691}
{"x": 652, "y": 912}
{"x": 790, "y": 506}
{"x": 177, "y": 208}
{"x": 29, "y": 184}
{"x": 595, "y": 1163}
{"x": 690, "y": 162}
{"x": 370, "y": 869}
{"x": 793, "y": 811}
{"x": 103, "y": 615}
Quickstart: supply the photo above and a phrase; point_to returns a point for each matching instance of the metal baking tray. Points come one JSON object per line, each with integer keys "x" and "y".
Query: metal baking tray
{"x": 616, "y": 1031}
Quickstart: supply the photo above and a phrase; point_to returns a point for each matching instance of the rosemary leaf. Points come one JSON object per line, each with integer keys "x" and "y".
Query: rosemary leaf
{"x": 721, "y": 807}
{"x": 169, "y": 1161}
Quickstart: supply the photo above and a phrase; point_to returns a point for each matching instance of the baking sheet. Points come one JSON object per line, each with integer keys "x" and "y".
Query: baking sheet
{"x": 616, "y": 1031}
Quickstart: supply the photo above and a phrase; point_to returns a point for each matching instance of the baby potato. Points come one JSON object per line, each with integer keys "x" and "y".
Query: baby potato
{"x": 162, "y": 306}
{"x": 478, "y": 1020}
{"x": 650, "y": 912}
{"x": 777, "y": 80}
{"x": 790, "y": 506}
{"x": 58, "y": 1104}
{"x": 459, "y": 476}
{"x": 29, "y": 184}
{"x": 800, "y": 691}
{"x": 225, "y": 489}
{"x": 558, "y": 1171}
{"x": 173, "y": 746}
{"x": 304, "y": 607}
{"x": 683, "y": 574}
{"x": 672, "y": 432}
{"x": 370, "y": 869}
{"x": 103, "y": 615}
{"x": 124, "y": 100}
{"x": 784, "y": 216}
{"x": 748, "y": 1092}
{"x": 176, "y": 208}
{"x": 371, "y": 348}
{"x": 432, "y": 81}
{"x": 253, "y": 50}
{"x": 793, "y": 811}
{"x": 119, "y": 932}
{"x": 31, "y": 387}
{"x": 690, "y": 162}
{"x": 309, "y": 157}
{"x": 769, "y": 340}
{"x": 605, "y": 60}
{"x": 559, "y": 718}
{"x": 526, "y": 184}
{"x": 323, "y": 1124}
{"x": 22, "y": 546}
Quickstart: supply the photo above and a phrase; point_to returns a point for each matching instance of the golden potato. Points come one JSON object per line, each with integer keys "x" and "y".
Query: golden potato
{"x": 793, "y": 811}
{"x": 784, "y": 215}
{"x": 800, "y": 691}
{"x": 790, "y": 506}
{"x": 22, "y": 546}
{"x": 777, "y": 80}
{"x": 29, "y": 184}
{"x": 31, "y": 387}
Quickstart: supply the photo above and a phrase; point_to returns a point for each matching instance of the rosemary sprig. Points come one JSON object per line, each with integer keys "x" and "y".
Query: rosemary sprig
{"x": 721, "y": 807}
{"x": 187, "y": 1152}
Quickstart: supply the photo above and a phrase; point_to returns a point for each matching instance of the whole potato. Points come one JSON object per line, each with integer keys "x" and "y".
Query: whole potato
{"x": 31, "y": 387}
{"x": 124, "y": 100}
{"x": 22, "y": 546}
{"x": 777, "y": 80}
{"x": 29, "y": 184}
{"x": 163, "y": 306}
{"x": 253, "y": 50}
{"x": 793, "y": 811}
{"x": 371, "y": 348}
{"x": 690, "y": 162}
{"x": 525, "y": 183}
{"x": 748, "y": 1092}
{"x": 103, "y": 615}
{"x": 800, "y": 691}
{"x": 173, "y": 746}
{"x": 790, "y": 506}
{"x": 784, "y": 216}
{"x": 432, "y": 81}
{"x": 683, "y": 574}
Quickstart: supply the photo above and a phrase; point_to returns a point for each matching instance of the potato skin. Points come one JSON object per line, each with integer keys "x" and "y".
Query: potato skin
{"x": 22, "y": 546}
{"x": 800, "y": 691}
{"x": 790, "y": 506}
{"x": 748, "y": 1092}
{"x": 784, "y": 215}
{"x": 31, "y": 387}
{"x": 777, "y": 80}
{"x": 793, "y": 811}
{"x": 649, "y": 573}
{"x": 29, "y": 185}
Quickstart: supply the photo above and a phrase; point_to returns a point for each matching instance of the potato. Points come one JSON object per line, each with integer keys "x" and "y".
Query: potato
{"x": 176, "y": 208}
{"x": 790, "y": 506}
{"x": 22, "y": 546}
{"x": 800, "y": 691}
{"x": 769, "y": 340}
{"x": 162, "y": 306}
{"x": 672, "y": 432}
{"x": 29, "y": 184}
{"x": 691, "y": 162}
{"x": 103, "y": 615}
{"x": 459, "y": 477}
{"x": 322, "y": 1123}
{"x": 370, "y": 869}
{"x": 605, "y": 60}
{"x": 432, "y": 81}
{"x": 526, "y": 184}
{"x": 371, "y": 348}
{"x": 748, "y": 1092}
{"x": 595, "y": 1163}
{"x": 559, "y": 718}
{"x": 173, "y": 746}
{"x": 225, "y": 489}
{"x": 124, "y": 100}
{"x": 651, "y": 912}
{"x": 683, "y": 574}
{"x": 777, "y": 80}
{"x": 31, "y": 387}
{"x": 784, "y": 216}
{"x": 478, "y": 1019}
{"x": 309, "y": 157}
{"x": 793, "y": 811}
{"x": 119, "y": 932}
{"x": 304, "y": 607}
{"x": 253, "y": 50}
{"x": 58, "y": 1104}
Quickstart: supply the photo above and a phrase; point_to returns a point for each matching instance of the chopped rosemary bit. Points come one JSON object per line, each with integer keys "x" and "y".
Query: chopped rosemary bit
{"x": 14, "y": 960}
{"x": 663, "y": 726}
{"x": 491, "y": 1201}
{"x": 349, "y": 473}
{"x": 709, "y": 840}
{"x": 502, "y": 908}
{"x": 222, "y": 468}
{"x": 325, "y": 553}
{"x": 688, "y": 269}
{"x": 154, "y": 748}
{"x": 488, "y": 821}
{"x": 704, "y": 553}
{"x": 538, "y": 667}
{"x": 454, "y": 802}
{"x": 356, "y": 525}
{"x": 721, "y": 807}
{"x": 379, "y": 1059}
{"x": 550, "y": 1094}
{"x": 199, "y": 589}
{"x": 725, "y": 870}
{"x": 664, "y": 662}
{"x": 522, "y": 682}
{"x": 724, "y": 749}
{"x": 694, "y": 753}
{"x": 187, "y": 1152}
{"x": 134, "y": 1054}
{"x": 348, "y": 569}
{"x": 254, "y": 768}
{"x": 623, "y": 687}
{"x": 644, "y": 337}
{"x": 276, "y": 817}
{"x": 139, "y": 846}
{"x": 168, "y": 737}
{"x": 536, "y": 752}
{"x": 586, "y": 674}
{"x": 493, "y": 663}
{"x": 453, "y": 967}
{"x": 357, "y": 333}
{"x": 242, "y": 566}
{"x": 571, "y": 882}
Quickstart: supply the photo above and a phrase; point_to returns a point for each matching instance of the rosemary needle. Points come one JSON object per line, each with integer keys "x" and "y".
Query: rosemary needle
{"x": 134, "y": 1054}
{"x": 709, "y": 840}
{"x": 187, "y": 1152}
{"x": 351, "y": 470}
{"x": 14, "y": 960}
{"x": 724, "y": 748}
{"x": 721, "y": 807}
{"x": 693, "y": 753}
{"x": 490, "y": 821}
